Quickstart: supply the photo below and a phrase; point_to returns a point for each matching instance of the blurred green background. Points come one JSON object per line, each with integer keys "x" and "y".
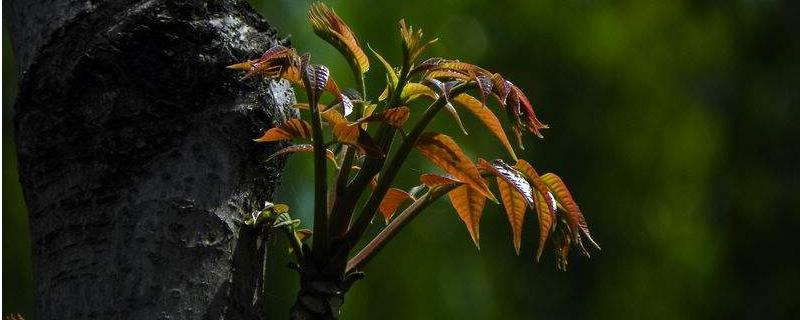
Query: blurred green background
{"x": 675, "y": 123}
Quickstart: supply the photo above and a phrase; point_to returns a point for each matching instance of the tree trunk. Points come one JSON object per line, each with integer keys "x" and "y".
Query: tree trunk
{"x": 136, "y": 156}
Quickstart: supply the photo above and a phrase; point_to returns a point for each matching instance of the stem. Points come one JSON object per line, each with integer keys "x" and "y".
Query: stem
{"x": 320, "y": 244}
{"x": 391, "y": 170}
{"x": 394, "y": 227}
{"x": 341, "y": 219}
{"x": 346, "y": 204}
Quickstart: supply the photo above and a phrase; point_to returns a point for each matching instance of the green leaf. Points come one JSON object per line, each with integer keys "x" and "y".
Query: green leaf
{"x": 393, "y": 78}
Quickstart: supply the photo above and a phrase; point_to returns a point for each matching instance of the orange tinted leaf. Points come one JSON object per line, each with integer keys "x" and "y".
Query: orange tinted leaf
{"x": 434, "y": 180}
{"x": 469, "y": 204}
{"x": 463, "y": 67}
{"x": 294, "y": 128}
{"x": 445, "y": 153}
{"x": 545, "y": 212}
{"x": 487, "y": 117}
{"x": 333, "y": 117}
{"x": 533, "y": 177}
{"x": 394, "y": 117}
{"x": 345, "y": 133}
{"x": 330, "y": 115}
{"x": 391, "y": 201}
{"x": 348, "y": 133}
{"x": 575, "y": 218}
{"x": 328, "y": 26}
{"x": 513, "y": 189}
{"x": 515, "y": 206}
{"x": 292, "y": 74}
{"x": 302, "y": 148}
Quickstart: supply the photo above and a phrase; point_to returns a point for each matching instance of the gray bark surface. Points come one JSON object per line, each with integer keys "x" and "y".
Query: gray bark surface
{"x": 136, "y": 156}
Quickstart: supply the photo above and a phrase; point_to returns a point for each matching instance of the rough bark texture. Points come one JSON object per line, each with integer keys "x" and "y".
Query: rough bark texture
{"x": 136, "y": 156}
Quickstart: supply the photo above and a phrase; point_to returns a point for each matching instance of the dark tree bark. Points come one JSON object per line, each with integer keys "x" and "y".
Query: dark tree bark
{"x": 136, "y": 156}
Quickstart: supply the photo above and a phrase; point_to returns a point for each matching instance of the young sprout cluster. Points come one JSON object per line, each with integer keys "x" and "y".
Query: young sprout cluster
{"x": 366, "y": 153}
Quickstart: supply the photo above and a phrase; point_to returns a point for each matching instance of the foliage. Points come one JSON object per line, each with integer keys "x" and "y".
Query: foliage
{"x": 357, "y": 134}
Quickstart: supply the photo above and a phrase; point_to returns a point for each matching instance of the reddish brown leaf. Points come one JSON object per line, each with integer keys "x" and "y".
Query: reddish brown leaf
{"x": 561, "y": 242}
{"x": 302, "y": 148}
{"x": 484, "y": 86}
{"x": 434, "y": 180}
{"x": 328, "y": 26}
{"x": 427, "y": 65}
{"x": 487, "y": 117}
{"x": 514, "y": 203}
{"x": 531, "y": 121}
{"x": 575, "y": 218}
{"x": 469, "y": 204}
{"x": 510, "y": 175}
{"x": 315, "y": 78}
{"x": 445, "y": 153}
{"x": 275, "y": 51}
{"x": 446, "y": 74}
{"x": 294, "y": 128}
{"x": 413, "y": 45}
{"x": 271, "y": 63}
{"x": 391, "y": 201}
